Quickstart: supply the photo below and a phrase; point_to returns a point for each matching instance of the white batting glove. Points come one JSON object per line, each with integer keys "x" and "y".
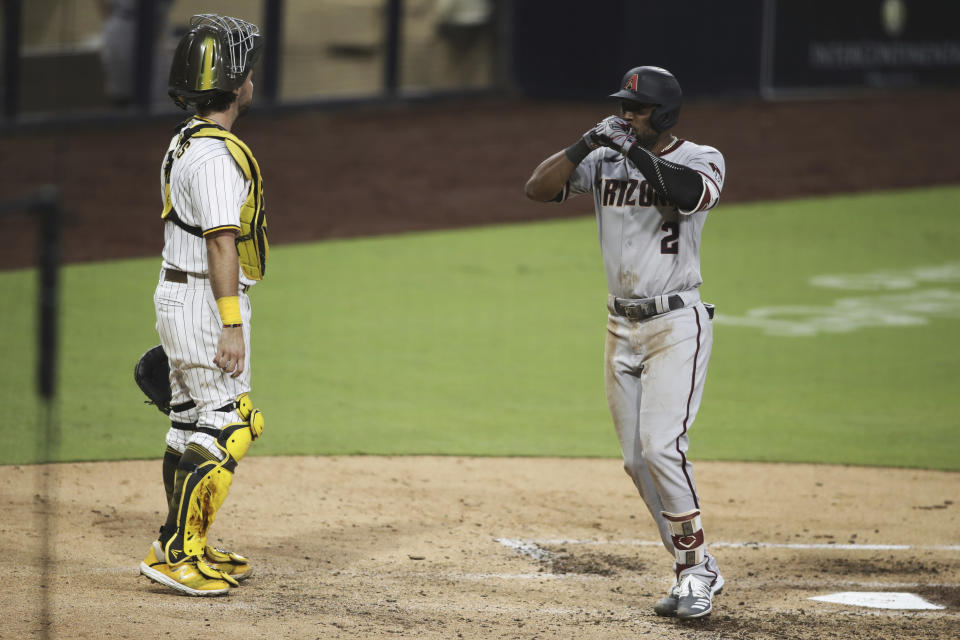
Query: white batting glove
{"x": 616, "y": 133}
{"x": 592, "y": 137}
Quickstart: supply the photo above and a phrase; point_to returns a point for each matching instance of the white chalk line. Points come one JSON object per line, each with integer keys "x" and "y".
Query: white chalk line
{"x": 545, "y": 575}
{"x": 480, "y": 577}
{"x": 532, "y": 547}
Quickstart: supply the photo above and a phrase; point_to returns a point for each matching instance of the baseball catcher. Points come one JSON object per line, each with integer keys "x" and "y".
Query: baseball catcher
{"x": 215, "y": 249}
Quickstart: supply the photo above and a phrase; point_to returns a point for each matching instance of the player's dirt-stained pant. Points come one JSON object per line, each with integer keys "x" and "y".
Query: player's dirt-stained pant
{"x": 654, "y": 373}
{"x": 189, "y": 326}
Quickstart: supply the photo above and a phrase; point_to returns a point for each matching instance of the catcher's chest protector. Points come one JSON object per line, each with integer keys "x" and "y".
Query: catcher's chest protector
{"x": 252, "y": 246}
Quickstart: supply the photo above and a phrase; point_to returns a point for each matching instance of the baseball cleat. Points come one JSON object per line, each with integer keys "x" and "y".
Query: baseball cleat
{"x": 232, "y": 564}
{"x": 667, "y": 607}
{"x": 192, "y": 576}
{"x": 696, "y": 598}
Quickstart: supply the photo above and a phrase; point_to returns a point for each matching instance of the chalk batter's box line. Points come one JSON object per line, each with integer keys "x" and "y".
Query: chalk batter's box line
{"x": 525, "y": 546}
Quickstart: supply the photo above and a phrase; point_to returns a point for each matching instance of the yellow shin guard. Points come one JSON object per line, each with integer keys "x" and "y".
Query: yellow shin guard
{"x": 203, "y": 494}
{"x": 205, "y": 489}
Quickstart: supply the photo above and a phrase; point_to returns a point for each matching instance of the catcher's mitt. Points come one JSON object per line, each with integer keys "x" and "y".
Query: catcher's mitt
{"x": 152, "y": 375}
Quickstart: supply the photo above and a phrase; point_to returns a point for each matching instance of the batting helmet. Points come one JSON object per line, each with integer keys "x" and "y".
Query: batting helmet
{"x": 653, "y": 85}
{"x": 214, "y": 56}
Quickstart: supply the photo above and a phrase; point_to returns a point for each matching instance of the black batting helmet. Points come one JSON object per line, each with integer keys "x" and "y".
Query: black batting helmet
{"x": 653, "y": 85}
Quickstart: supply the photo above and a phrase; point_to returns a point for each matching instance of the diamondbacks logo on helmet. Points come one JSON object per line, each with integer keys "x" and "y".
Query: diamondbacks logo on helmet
{"x": 631, "y": 83}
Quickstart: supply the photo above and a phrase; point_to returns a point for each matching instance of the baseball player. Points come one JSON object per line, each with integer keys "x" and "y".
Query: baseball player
{"x": 215, "y": 248}
{"x": 651, "y": 192}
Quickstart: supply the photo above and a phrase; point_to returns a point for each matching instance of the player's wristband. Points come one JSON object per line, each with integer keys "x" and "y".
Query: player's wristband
{"x": 229, "y": 307}
{"x": 577, "y": 151}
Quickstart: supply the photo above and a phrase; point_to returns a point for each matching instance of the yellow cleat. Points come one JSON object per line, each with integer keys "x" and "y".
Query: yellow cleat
{"x": 192, "y": 576}
{"x": 230, "y": 563}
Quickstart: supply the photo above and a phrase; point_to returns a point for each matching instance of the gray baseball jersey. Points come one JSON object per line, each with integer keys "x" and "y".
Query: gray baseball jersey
{"x": 649, "y": 247}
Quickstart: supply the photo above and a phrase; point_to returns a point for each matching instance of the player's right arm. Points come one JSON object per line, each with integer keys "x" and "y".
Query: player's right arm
{"x": 549, "y": 179}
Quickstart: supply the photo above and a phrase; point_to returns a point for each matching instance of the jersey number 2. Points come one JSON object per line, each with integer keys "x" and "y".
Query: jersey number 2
{"x": 671, "y": 241}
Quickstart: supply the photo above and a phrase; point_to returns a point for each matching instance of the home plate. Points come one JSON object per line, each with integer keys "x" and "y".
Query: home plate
{"x": 879, "y": 600}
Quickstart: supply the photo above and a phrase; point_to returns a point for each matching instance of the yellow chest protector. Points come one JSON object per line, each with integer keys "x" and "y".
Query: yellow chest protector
{"x": 252, "y": 246}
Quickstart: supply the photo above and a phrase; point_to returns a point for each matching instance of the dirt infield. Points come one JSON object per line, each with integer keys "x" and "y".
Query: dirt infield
{"x": 375, "y": 171}
{"x": 428, "y": 547}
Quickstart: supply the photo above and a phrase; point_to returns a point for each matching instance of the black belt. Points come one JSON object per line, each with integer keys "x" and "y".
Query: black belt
{"x": 180, "y": 277}
{"x": 173, "y": 275}
{"x": 643, "y": 308}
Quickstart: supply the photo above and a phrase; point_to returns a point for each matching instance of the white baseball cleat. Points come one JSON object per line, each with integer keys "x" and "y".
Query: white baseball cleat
{"x": 696, "y": 598}
{"x": 668, "y": 606}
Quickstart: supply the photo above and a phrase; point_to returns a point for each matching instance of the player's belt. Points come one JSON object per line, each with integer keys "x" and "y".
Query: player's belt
{"x": 180, "y": 277}
{"x": 643, "y": 308}
{"x": 173, "y": 275}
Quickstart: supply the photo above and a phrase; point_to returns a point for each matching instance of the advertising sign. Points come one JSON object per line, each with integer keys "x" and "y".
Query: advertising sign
{"x": 831, "y": 45}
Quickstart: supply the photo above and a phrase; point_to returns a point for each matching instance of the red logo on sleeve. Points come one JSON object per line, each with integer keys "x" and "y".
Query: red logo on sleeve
{"x": 716, "y": 172}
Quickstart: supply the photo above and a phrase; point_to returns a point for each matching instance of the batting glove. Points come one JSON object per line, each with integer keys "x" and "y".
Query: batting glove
{"x": 616, "y": 133}
{"x": 592, "y": 137}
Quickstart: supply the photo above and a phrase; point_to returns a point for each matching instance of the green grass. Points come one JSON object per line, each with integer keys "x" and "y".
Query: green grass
{"x": 874, "y": 396}
{"x": 489, "y": 342}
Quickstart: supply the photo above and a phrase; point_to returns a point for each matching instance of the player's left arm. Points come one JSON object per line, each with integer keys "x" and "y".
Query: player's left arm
{"x": 711, "y": 167}
{"x": 680, "y": 184}
{"x": 218, "y": 190}
{"x": 689, "y": 187}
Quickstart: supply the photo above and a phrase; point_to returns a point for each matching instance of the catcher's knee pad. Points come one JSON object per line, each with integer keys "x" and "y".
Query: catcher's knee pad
{"x": 235, "y": 439}
{"x": 686, "y": 531}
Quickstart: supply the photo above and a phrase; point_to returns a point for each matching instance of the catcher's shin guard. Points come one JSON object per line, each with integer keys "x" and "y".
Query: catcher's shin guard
{"x": 206, "y": 486}
{"x": 203, "y": 493}
{"x": 686, "y": 531}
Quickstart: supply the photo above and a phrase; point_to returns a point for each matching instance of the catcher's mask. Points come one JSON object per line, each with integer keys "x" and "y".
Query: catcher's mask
{"x": 214, "y": 56}
{"x": 657, "y": 86}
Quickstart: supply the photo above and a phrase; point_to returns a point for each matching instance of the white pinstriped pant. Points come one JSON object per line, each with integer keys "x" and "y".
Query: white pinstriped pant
{"x": 189, "y": 326}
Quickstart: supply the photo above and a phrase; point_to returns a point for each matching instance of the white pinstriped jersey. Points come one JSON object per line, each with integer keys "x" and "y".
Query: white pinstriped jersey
{"x": 207, "y": 190}
{"x": 649, "y": 246}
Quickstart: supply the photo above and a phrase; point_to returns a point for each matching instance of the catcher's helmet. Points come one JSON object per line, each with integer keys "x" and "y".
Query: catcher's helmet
{"x": 653, "y": 85}
{"x": 214, "y": 56}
